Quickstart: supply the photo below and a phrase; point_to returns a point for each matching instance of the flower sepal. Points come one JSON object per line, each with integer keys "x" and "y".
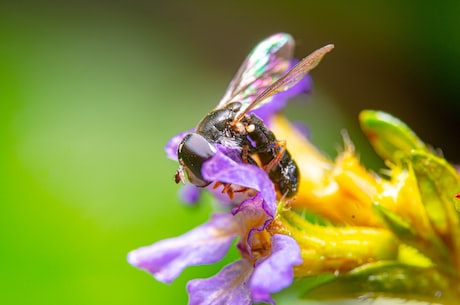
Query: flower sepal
{"x": 337, "y": 249}
{"x": 438, "y": 182}
{"x": 391, "y": 138}
{"x": 388, "y": 279}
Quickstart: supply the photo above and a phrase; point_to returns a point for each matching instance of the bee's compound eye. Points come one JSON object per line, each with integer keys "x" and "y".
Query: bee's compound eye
{"x": 193, "y": 151}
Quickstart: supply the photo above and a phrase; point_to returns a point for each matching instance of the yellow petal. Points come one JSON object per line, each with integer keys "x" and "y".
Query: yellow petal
{"x": 342, "y": 191}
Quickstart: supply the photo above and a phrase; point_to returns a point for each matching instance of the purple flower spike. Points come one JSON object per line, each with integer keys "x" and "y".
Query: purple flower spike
{"x": 229, "y": 286}
{"x": 275, "y": 272}
{"x": 222, "y": 168}
{"x": 205, "y": 244}
{"x": 173, "y": 144}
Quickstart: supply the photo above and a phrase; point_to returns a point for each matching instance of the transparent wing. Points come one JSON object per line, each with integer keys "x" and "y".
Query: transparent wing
{"x": 289, "y": 80}
{"x": 266, "y": 63}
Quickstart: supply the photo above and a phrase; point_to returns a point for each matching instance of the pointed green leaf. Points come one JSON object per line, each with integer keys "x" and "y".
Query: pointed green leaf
{"x": 428, "y": 243}
{"x": 439, "y": 183}
{"x": 390, "y": 137}
{"x": 401, "y": 228}
{"x": 389, "y": 279}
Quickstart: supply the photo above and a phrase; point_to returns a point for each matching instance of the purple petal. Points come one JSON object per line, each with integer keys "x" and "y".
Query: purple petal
{"x": 222, "y": 168}
{"x": 254, "y": 218}
{"x": 232, "y": 153}
{"x": 275, "y": 272}
{"x": 173, "y": 144}
{"x": 253, "y": 208}
{"x": 189, "y": 193}
{"x": 205, "y": 244}
{"x": 229, "y": 286}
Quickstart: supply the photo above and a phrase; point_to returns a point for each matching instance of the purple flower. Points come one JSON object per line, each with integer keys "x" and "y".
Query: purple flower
{"x": 205, "y": 244}
{"x": 244, "y": 283}
{"x": 246, "y": 280}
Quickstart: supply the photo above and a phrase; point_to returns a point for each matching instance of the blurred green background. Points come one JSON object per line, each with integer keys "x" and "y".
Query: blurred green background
{"x": 90, "y": 91}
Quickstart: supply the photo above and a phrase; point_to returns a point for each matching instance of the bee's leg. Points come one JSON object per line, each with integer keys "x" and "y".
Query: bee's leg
{"x": 227, "y": 188}
{"x": 216, "y": 185}
{"x": 230, "y": 194}
{"x": 245, "y": 154}
{"x": 241, "y": 190}
{"x": 179, "y": 176}
{"x": 280, "y": 147}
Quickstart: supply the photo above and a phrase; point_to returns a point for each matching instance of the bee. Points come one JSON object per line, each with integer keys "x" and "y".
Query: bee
{"x": 265, "y": 72}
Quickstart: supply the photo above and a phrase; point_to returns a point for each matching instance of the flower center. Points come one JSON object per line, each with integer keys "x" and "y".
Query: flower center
{"x": 260, "y": 244}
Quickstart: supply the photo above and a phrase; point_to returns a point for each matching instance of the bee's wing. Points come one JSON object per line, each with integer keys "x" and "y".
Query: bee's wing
{"x": 289, "y": 80}
{"x": 266, "y": 63}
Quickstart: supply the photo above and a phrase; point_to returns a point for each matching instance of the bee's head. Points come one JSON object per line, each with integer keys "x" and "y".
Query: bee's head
{"x": 192, "y": 152}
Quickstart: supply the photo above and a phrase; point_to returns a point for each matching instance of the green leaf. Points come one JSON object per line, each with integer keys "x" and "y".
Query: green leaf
{"x": 389, "y": 279}
{"x": 391, "y": 138}
{"x": 428, "y": 243}
{"x": 401, "y": 228}
{"x": 439, "y": 183}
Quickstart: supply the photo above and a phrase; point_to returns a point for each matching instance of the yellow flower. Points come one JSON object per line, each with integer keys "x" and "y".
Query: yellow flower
{"x": 385, "y": 228}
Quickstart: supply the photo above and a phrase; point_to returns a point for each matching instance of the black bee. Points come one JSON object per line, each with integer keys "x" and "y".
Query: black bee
{"x": 264, "y": 73}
